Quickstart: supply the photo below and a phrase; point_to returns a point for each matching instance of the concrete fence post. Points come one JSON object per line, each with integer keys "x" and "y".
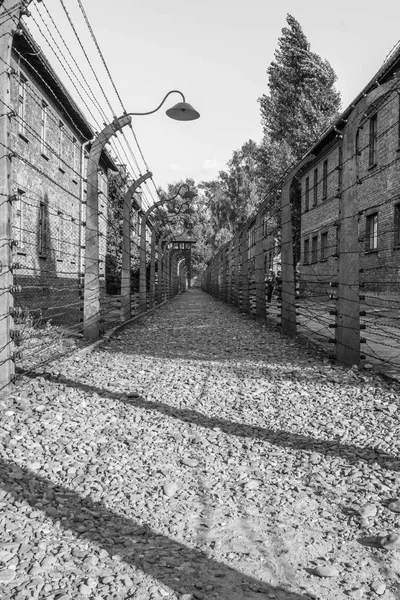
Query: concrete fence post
{"x": 348, "y": 297}
{"x": 245, "y": 305}
{"x": 126, "y": 248}
{"x": 229, "y": 272}
{"x": 91, "y": 297}
{"x": 236, "y": 264}
{"x": 287, "y": 267}
{"x": 259, "y": 269}
{"x": 152, "y": 291}
{"x": 7, "y": 330}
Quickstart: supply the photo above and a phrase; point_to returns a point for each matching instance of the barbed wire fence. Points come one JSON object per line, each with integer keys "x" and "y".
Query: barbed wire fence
{"x": 340, "y": 287}
{"x": 45, "y": 161}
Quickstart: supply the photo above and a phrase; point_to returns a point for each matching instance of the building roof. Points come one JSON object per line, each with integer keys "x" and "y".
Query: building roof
{"x": 33, "y": 57}
{"x": 384, "y": 74}
{"x": 183, "y": 238}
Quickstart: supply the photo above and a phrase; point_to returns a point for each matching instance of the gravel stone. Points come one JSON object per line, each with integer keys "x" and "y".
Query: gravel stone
{"x": 7, "y": 575}
{"x": 198, "y": 452}
{"x": 368, "y": 511}
{"x": 394, "y": 506}
{"x": 170, "y": 488}
{"x": 391, "y": 541}
{"x": 326, "y": 571}
{"x": 378, "y": 587}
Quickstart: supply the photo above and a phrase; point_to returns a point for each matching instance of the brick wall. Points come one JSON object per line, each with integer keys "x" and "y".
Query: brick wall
{"x": 48, "y": 189}
{"x": 378, "y": 194}
{"x": 320, "y": 184}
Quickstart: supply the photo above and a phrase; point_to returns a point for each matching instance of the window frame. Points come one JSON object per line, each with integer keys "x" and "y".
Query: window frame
{"x": 22, "y": 84}
{"x": 340, "y": 168}
{"x": 372, "y": 218}
{"x": 307, "y": 194}
{"x": 324, "y": 245}
{"x": 59, "y": 235}
{"x": 42, "y": 234}
{"x": 75, "y": 160}
{"x": 306, "y": 252}
{"x": 396, "y": 225}
{"x": 398, "y": 127}
{"x": 43, "y": 128}
{"x": 60, "y": 141}
{"x": 315, "y": 190}
{"x": 325, "y": 179}
{"x": 373, "y": 140}
{"x": 314, "y": 249}
{"x": 20, "y": 218}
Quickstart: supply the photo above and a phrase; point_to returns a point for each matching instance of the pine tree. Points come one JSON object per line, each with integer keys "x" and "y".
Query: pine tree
{"x": 302, "y": 101}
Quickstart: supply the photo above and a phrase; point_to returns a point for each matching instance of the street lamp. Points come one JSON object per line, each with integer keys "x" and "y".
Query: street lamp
{"x": 91, "y": 302}
{"x": 187, "y": 195}
{"x": 182, "y": 111}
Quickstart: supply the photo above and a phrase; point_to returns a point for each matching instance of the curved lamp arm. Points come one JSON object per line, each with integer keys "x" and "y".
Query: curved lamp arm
{"x": 159, "y": 106}
{"x": 184, "y": 185}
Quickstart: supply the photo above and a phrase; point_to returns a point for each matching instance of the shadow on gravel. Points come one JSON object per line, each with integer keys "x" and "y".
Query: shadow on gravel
{"x": 278, "y": 437}
{"x": 102, "y": 524}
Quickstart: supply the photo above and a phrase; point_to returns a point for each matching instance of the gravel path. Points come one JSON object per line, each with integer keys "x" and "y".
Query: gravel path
{"x": 200, "y": 455}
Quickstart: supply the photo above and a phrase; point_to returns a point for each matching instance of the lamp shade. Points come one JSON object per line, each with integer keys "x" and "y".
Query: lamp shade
{"x": 187, "y": 195}
{"x": 182, "y": 112}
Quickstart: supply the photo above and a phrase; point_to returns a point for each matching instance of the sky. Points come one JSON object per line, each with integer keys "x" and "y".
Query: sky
{"x": 216, "y": 52}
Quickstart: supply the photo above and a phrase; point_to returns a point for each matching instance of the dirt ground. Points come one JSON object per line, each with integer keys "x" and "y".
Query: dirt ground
{"x": 200, "y": 455}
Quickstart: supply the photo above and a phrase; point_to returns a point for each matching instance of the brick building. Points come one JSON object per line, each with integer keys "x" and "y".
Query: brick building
{"x": 375, "y": 172}
{"x": 50, "y": 139}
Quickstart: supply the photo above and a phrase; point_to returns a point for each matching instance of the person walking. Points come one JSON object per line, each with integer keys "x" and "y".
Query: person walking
{"x": 278, "y": 285}
{"x": 270, "y": 282}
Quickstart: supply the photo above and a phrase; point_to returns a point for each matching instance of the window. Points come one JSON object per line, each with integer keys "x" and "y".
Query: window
{"x": 19, "y": 218}
{"x": 325, "y": 180}
{"x": 42, "y": 229}
{"x": 75, "y": 159}
{"x": 314, "y": 249}
{"x": 315, "y": 187}
{"x": 59, "y": 235}
{"x": 373, "y": 132}
{"x": 265, "y": 226}
{"x": 337, "y": 240}
{"x": 307, "y": 194}
{"x": 21, "y": 104}
{"x": 340, "y": 168}
{"x": 306, "y": 252}
{"x": 60, "y": 161}
{"x": 324, "y": 245}
{"x": 371, "y": 241}
{"x": 397, "y": 225}
{"x": 358, "y": 153}
{"x": 398, "y": 120}
{"x": 43, "y": 128}
{"x": 253, "y": 236}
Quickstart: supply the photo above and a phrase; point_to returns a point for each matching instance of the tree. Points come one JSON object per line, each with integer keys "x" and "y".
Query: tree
{"x": 117, "y": 185}
{"x": 234, "y": 195}
{"x": 301, "y": 104}
{"x": 302, "y": 101}
{"x": 193, "y": 218}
